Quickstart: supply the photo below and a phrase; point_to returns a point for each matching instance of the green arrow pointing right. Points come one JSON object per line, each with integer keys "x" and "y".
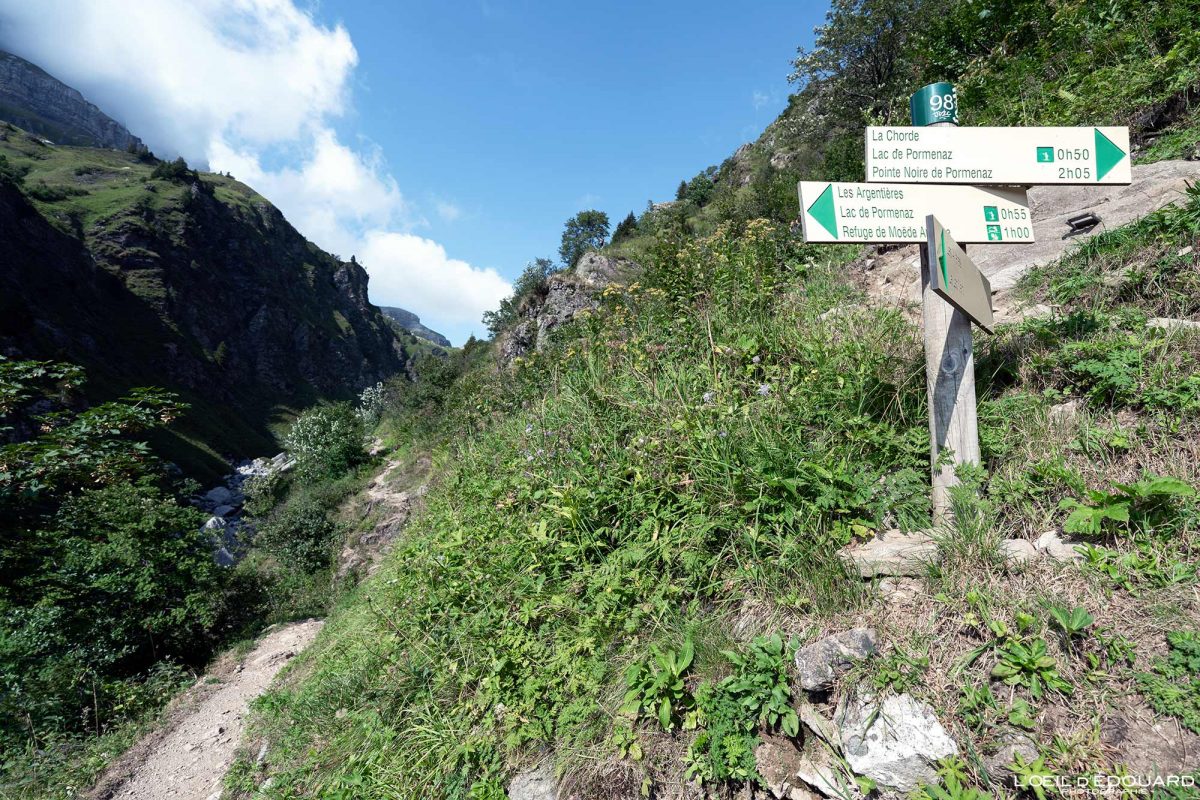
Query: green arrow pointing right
{"x": 1108, "y": 155}
{"x": 822, "y": 211}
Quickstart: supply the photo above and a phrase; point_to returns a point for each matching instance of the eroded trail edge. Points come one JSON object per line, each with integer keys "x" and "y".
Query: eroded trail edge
{"x": 188, "y": 758}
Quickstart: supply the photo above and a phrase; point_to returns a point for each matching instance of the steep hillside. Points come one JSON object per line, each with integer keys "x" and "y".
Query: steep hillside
{"x": 412, "y": 323}
{"x": 151, "y": 274}
{"x": 34, "y": 100}
{"x": 678, "y": 541}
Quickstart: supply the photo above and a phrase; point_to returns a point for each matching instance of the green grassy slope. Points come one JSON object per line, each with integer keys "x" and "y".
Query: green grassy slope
{"x": 190, "y": 281}
{"x": 684, "y": 467}
{"x": 675, "y": 475}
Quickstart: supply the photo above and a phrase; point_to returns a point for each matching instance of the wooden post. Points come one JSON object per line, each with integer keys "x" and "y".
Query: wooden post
{"x": 949, "y": 359}
{"x": 950, "y": 380}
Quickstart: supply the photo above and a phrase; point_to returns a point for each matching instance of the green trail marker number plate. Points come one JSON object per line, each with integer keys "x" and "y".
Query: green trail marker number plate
{"x": 874, "y": 212}
{"x": 956, "y": 278}
{"x": 937, "y": 102}
{"x": 999, "y": 156}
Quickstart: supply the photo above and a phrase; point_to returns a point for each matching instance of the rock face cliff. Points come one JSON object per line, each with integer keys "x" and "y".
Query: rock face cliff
{"x": 412, "y": 323}
{"x": 188, "y": 281}
{"x": 32, "y": 99}
{"x": 559, "y": 300}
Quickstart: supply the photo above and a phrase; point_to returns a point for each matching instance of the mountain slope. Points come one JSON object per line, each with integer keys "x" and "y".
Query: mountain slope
{"x": 412, "y": 323}
{"x": 41, "y": 104}
{"x": 152, "y": 274}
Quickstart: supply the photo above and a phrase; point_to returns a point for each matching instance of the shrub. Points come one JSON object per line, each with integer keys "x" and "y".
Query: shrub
{"x": 299, "y": 534}
{"x": 326, "y": 441}
{"x": 121, "y": 578}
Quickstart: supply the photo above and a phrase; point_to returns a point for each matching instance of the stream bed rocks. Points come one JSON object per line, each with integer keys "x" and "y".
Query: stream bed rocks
{"x": 229, "y": 533}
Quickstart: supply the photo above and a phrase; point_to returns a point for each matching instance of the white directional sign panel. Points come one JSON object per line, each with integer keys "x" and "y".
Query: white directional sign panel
{"x": 874, "y": 212}
{"x": 955, "y": 277}
{"x": 1003, "y": 156}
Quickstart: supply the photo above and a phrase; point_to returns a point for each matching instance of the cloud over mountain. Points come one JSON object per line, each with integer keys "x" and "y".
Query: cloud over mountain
{"x": 253, "y": 87}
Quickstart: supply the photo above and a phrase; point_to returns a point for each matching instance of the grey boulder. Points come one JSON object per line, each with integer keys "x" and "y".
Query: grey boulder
{"x": 820, "y": 662}
{"x": 893, "y": 553}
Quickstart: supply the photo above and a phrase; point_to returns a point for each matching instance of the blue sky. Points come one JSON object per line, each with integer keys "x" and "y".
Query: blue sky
{"x": 444, "y": 144}
{"x": 522, "y": 113}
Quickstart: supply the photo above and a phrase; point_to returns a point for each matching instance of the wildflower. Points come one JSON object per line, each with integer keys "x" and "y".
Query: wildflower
{"x": 764, "y": 390}
{"x": 529, "y": 429}
{"x": 722, "y": 433}
{"x": 708, "y": 397}
{"x": 755, "y": 360}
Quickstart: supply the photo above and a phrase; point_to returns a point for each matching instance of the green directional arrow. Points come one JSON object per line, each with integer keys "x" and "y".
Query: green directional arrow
{"x": 822, "y": 211}
{"x": 1108, "y": 155}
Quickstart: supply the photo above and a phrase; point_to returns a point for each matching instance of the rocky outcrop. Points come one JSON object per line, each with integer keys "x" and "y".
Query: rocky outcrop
{"x": 32, "y": 99}
{"x": 412, "y": 323}
{"x": 564, "y": 295}
{"x": 820, "y": 662}
{"x": 181, "y": 287}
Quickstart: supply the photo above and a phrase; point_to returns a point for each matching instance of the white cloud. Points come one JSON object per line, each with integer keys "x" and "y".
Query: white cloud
{"x": 333, "y": 194}
{"x": 759, "y": 99}
{"x": 251, "y": 87}
{"x": 416, "y": 273}
{"x": 448, "y": 211}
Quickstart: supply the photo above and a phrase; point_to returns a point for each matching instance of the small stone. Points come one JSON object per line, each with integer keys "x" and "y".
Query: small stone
{"x": 215, "y": 523}
{"x": 1018, "y": 552}
{"x": 1057, "y": 548}
{"x": 1172, "y": 324}
{"x": 224, "y": 558}
{"x": 819, "y": 663}
{"x": 534, "y": 784}
{"x": 219, "y": 496}
{"x": 894, "y": 741}
{"x": 1012, "y": 745}
{"x": 1064, "y": 415}
{"x": 893, "y": 553}
{"x": 223, "y": 511}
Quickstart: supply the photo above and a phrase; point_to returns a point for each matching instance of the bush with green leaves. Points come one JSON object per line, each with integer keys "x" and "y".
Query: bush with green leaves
{"x": 586, "y": 231}
{"x": 1141, "y": 506}
{"x": 371, "y": 403}
{"x": 299, "y": 533}
{"x": 326, "y": 441}
{"x": 120, "y": 579}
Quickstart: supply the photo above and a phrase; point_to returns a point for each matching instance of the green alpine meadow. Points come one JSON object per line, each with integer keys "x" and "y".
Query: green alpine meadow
{"x": 674, "y": 509}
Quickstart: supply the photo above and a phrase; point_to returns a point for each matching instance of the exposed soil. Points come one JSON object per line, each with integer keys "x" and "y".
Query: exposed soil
{"x": 188, "y": 757}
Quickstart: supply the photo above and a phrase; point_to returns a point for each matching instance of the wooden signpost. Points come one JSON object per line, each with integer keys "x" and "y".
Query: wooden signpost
{"x": 955, "y": 277}
{"x": 897, "y": 204}
{"x": 880, "y": 212}
{"x": 999, "y": 156}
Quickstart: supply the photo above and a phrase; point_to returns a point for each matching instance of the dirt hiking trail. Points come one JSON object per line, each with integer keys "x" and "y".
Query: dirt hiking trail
{"x": 188, "y": 758}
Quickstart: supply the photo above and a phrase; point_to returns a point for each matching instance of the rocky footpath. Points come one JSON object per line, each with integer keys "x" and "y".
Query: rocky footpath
{"x": 230, "y": 534}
